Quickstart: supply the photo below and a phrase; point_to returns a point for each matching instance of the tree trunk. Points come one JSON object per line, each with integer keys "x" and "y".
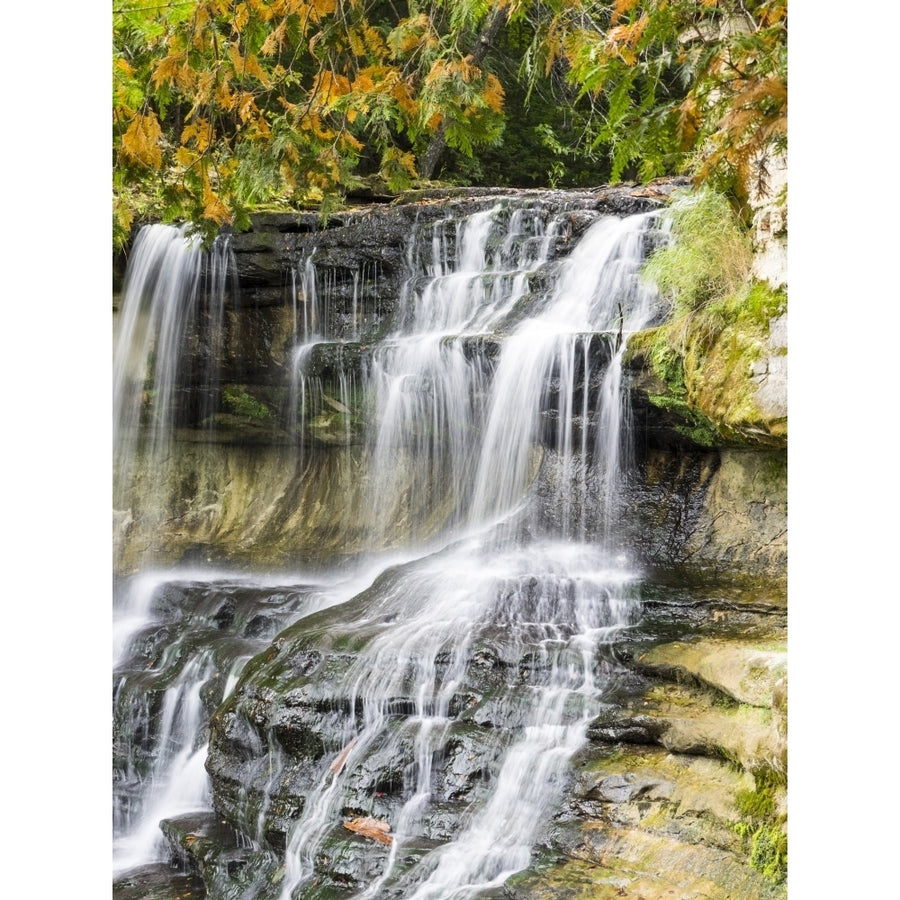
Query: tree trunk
{"x": 432, "y": 154}
{"x": 428, "y": 162}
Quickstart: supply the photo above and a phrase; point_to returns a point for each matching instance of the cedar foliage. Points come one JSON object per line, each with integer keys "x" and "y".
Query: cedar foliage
{"x": 222, "y": 105}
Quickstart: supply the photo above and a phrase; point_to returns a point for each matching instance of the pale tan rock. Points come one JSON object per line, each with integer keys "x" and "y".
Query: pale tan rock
{"x": 746, "y": 673}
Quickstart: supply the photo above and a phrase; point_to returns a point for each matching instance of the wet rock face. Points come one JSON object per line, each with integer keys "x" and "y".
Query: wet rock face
{"x": 678, "y": 785}
{"x": 360, "y": 258}
{"x": 693, "y": 712}
{"x": 254, "y": 473}
{"x": 719, "y": 511}
{"x": 159, "y": 882}
{"x": 364, "y": 251}
{"x": 377, "y": 234}
{"x": 292, "y": 724}
{"x": 665, "y": 798}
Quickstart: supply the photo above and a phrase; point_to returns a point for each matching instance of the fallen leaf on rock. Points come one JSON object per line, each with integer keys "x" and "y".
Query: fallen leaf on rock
{"x": 371, "y": 828}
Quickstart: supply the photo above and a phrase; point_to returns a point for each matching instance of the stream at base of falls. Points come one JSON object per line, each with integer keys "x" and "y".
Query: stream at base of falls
{"x": 402, "y": 722}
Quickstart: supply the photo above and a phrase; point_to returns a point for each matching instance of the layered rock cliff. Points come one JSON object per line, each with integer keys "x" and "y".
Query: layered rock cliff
{"x": 236, "y": 487}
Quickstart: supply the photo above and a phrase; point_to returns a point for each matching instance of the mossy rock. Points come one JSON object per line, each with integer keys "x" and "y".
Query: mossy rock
{"x": 645, "y": 822}
{"x": 744, "y": 672}
{"x": 720, "y": 359}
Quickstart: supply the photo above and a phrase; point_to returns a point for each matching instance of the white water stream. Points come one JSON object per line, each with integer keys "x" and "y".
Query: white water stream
{"x": 496, "y": 352}
{"x": 168, "y": 273}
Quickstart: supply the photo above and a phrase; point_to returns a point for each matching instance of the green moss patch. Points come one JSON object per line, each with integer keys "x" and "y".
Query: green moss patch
{"x": 706, "y": 355}
{"x": 239, "y": 401}
{"x": 762, "y": 826}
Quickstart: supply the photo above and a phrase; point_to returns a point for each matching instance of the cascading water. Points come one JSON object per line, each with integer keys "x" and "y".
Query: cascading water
{"x": 315, "y": 292}
{"x": 485, "y": 649}
{"x": 171, "y": 286}
{"x": 180, "y": 644}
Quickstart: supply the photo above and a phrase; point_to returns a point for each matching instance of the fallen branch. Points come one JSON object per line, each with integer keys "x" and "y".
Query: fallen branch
{"x": 338, "y": 764}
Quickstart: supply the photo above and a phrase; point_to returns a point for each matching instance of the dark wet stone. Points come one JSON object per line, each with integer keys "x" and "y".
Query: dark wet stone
{"x": 219, "y": 855}
{"x": 614, "y": 727}
{"x": 158, "y": 882}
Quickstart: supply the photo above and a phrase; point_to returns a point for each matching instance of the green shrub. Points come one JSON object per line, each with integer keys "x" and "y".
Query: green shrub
{"x": 709, "y": 255}
{"x": 718, "y": 324}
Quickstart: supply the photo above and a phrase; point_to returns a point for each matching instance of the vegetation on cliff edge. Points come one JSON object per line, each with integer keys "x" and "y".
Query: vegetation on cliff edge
{"x": 219, "y": 105}
{"x": 718, "y": 325}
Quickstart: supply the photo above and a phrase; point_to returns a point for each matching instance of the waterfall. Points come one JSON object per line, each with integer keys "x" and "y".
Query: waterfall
{"x": 431, "y": 397}
{"x": 181, "y": 641}
{"x": 497, "y": 409}
{"x": 433, "y": 382}
{"x": 546, "y": 606}
{"x": 170, "y": 331}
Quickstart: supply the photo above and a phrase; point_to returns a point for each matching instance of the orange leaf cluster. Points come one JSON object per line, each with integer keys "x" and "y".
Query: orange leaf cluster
{"x": 141, "y": 141}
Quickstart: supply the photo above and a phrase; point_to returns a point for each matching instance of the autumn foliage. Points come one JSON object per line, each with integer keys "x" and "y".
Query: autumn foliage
{"x": 221, "y": 105}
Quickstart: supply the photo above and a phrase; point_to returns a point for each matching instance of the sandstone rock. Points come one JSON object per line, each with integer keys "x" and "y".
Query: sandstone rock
{"x": 747, "y": 674}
